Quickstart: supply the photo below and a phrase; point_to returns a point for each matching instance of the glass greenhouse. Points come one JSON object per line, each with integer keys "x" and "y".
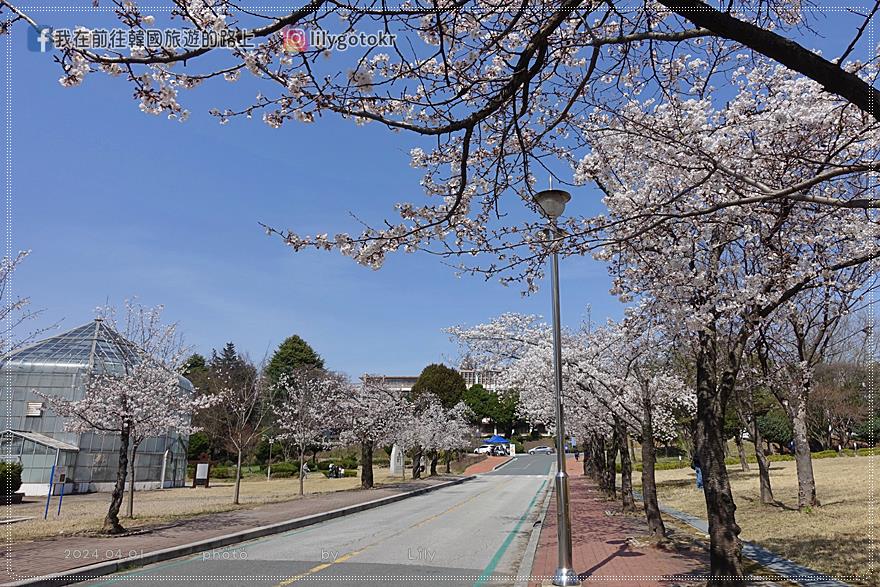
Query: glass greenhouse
{"x": 37, "y": 437}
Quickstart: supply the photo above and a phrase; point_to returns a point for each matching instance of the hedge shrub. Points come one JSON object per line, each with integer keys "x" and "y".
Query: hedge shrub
{"x": 10, "y": 478}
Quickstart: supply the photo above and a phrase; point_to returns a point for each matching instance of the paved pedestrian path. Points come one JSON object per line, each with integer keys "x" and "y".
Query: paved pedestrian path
{"x": 486, "y": 465}
{"x": 611, "y": 549}
{"x": 792, "y": 571}
{"x": 55, "y": 555}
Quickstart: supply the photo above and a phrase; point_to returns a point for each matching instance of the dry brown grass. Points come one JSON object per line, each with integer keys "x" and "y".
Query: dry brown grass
{"x": 84, "y": 513}
{"x": 834, "y": 538}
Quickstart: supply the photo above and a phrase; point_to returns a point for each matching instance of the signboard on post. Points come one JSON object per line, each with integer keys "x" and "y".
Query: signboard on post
{"x": 58, "y": 475}
{"x": 200, "y": 478}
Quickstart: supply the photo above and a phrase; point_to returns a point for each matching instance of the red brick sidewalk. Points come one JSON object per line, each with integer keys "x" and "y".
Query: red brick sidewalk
{"x": 486, "y": 465}
{"x": 601, "y": 551}
{"x": 54, "y": 555}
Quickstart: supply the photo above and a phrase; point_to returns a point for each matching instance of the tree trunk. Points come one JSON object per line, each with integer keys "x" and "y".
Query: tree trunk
{"x": 111, "y": 520}
{"x": 238, "y": 478}
{"x": 763, "y": 464}
{"x": 367, "y": 464}
{"x": 130, "y": 507}
{"x": 302, "y": 475}
{"x": 448, "y": 461}
{"x": 626, "y": 489}
{"x": 725, "y": 548}
{"x": 611, "y": 468}
{"x": 417, "y": 463}
{"x": 741, "y": 451}
{"x": 600, "y": 464}
{"x": 632, "y": 449}
{"x": 588, "y": 457}
{"x": 435, "y": 457}
{"x": 649, "y": 482}
{"x": 797, "y": 412}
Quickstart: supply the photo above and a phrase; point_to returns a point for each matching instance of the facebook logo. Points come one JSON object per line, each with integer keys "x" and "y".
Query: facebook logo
{"x": 39, "y": 39}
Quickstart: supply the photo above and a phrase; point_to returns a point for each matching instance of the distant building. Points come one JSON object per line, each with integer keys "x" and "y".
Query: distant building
{"x": 487, "y": 378}
{"x": 404, "y": 383}
{"x": 399, "y": 383}
{"x": 36, "y": 437}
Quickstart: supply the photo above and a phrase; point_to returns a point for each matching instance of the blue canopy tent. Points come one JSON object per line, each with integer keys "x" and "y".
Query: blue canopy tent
{"x": 496, "y": 440}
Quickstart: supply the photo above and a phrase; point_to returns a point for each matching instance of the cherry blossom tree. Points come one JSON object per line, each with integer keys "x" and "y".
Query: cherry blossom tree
{"x": 800, "y": 337}
{"x": 14, "y": 310}
{"x": 309, "y": 403}
{"x": 629, "y": 370}
{"x": 372, "y": 414}
{"x": 493, "y": 95}
{"x": 719, "y": 276}
{"x": 138, "y": 397}
{"x": 439, "y": 429}
{"x": 617, "y": 382}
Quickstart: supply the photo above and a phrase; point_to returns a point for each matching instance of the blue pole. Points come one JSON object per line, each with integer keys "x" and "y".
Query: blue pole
{"x": 60, "y": 499}
{"x": 49, "y": 497}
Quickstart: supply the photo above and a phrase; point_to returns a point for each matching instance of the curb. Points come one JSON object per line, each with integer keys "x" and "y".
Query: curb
{"x": 499, "y": 465}
{"x": 524, "y": 572}
{"x": 126, "y": 564}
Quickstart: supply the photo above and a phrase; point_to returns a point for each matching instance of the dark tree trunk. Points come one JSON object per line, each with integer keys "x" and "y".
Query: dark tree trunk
{"x": 725, "y": 548}
{"x": 649, "y": 483}
{"x": 435, "y": 458}
{"x": 237, "y": 491}
{"x": 367, "y": 464}
{"x": 448, "y": 458}
{"x": 797, "y": 412}
{"x": 598, "y": 464}
{"x": 417, "y": 463}
{"x": 763, "y": 464}
{"x": 829, "y": 75}
{"x": 302, "y": 474}
{"x": 626, "y": 490}
{"x": 130, "y": 509}
{"x": 587, "y": 457}
{"x": 111, "y": 520}
{"x": 741, "y": 451}
{"x": 611, "y": 468}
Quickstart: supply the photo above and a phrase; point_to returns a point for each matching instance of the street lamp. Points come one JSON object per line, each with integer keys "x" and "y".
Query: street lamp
{"x": 552, "y": 204}
{"x": 269, "y": 464}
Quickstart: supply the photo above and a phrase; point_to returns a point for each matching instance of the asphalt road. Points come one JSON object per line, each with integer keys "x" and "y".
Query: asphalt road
{"x": 470, "y": 534}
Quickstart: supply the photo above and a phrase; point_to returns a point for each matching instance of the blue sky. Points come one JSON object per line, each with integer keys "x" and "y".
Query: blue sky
{"x": 116, "y": 203}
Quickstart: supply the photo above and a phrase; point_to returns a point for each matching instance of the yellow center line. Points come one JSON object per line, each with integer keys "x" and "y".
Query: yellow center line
{"x": 352, "y": 554}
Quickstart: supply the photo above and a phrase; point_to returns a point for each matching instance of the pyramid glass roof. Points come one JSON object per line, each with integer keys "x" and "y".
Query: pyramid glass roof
{"x": 89, "y": 345}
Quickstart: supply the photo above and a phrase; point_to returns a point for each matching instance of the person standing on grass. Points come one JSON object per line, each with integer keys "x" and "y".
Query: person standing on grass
{"x": 695, "y": 465}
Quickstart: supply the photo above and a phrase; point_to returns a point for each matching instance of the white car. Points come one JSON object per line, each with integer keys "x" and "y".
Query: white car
{"x": 481, "y": 450}
{"x": 541, "y": 450}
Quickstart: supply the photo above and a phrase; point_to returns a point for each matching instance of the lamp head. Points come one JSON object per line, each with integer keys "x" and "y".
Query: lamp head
{"x": 552, "y": 202}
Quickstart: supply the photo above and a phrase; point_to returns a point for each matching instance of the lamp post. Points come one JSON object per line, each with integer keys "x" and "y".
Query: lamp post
{"x": 552, "y": 204}
{"x": 269, "y": 463}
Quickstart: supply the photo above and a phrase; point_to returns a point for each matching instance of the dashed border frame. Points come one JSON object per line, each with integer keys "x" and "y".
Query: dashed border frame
{"x": 873, "y": 347}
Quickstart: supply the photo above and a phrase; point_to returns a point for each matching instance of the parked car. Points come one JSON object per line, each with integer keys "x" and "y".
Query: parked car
{"x": 482, "y": 450}
{"x": 541, "y": 450}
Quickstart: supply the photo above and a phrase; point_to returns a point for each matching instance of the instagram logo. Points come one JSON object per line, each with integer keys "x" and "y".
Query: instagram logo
{"x": 294, "y": 40}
